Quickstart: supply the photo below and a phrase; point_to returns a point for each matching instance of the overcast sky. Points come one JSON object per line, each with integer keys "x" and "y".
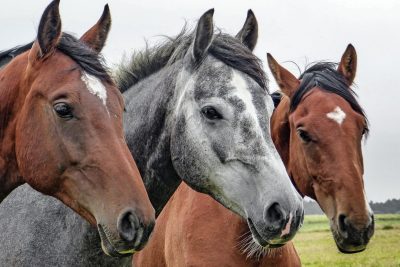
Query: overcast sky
{"x": 301, "y": 31}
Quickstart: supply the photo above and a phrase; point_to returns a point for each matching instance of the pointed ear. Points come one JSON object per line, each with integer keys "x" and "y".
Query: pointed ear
{"x": 49, "y": 31}
{"x": 248, "y": 35}
{"x": 285, "y": 80}
{"x": 96, "y": 36}
{"x": 348, "y": 64}
{"x": 204, "y": 35}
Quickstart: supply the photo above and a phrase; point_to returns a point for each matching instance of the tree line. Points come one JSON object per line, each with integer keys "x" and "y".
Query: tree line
{"x": 389, "y": 206}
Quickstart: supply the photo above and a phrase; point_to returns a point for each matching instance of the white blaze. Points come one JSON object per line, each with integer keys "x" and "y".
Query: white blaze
{"x": 95, "y": 87}
{"x": 244, "y": 94}
{"x": 337, "y": 115}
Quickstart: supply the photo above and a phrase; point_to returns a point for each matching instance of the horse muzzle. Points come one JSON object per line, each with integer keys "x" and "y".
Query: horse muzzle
{"x": 350, "y": 239}
{"x": 132, "y": 236}
{"x": 278, "y": 228}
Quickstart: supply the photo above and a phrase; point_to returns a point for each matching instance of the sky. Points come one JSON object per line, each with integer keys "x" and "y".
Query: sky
{"x": 300, "y": 31}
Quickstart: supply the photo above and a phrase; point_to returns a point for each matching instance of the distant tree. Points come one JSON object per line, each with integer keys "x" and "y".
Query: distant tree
{"x": 389, "y": 206}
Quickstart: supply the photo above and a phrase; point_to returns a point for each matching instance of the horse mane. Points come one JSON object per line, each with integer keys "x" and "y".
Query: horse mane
{"x": 325, "y": 75}
{"x": 90, "y": 61}
{"x": 224, "y": 47}
{"x": 7, "y": 55}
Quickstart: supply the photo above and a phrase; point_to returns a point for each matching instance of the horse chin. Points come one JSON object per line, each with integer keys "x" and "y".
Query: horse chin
{"x": 351, "y": 250}
{"x": 259, "y": 240}
{"x": 346, "y": 247}
{"x": 108, "y": 247}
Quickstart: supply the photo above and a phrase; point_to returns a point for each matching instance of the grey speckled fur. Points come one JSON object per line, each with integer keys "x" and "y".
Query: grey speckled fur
{"x": 37, "y": 230}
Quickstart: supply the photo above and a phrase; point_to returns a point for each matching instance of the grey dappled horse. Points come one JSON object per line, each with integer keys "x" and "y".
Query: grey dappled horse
{"x": 197, "y": 109}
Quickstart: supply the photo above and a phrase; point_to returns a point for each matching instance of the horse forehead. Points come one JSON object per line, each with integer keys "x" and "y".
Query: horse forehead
{"x": 242, "y": 91}
{"x": 213, "y": 80}
{"x": 250, "y": 94}
{"x": 337, "y": 115}
{"x": 328, "y": 113}
{"x": 251, "y": 104}
{"x": 95, "y": 86}
{"x": 322, "y": 103}
{"x": 216, "y": 79}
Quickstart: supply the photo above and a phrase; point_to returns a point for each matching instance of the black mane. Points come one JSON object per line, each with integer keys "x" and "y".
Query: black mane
{"x": 324, "y": 75}
{"x": 90, "y": 61}
{"x": 224, "y": 47}
{"x": 7, "y": 55}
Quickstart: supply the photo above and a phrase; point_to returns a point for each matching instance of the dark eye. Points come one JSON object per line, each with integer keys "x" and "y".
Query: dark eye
{"x": 63, "y": 110}
{"x": 211, "y": 113}
{"x": 304, "y": 136}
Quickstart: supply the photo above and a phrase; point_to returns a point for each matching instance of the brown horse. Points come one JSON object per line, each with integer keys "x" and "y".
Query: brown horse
{"x": 317, "y": 129}
{"x": 61, "y": 132}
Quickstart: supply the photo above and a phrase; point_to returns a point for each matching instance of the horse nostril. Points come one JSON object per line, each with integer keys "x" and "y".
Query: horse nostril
{"x": 372, "y": 220}
{"x": 299, "y": 218}
{"x": 342, "y": 224}
{"x": 128, "y": 225}
{"x": 274, "y": 216}
{"x": 370, "y": 228}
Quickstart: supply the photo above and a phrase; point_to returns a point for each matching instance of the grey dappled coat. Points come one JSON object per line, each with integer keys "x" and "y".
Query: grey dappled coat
{"x": 27, "y": 240}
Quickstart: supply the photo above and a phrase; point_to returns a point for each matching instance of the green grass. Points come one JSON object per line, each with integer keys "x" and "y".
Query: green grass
{"x": 316, "y": 247}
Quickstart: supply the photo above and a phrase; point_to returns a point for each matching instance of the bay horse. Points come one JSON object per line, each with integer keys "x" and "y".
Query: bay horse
{"x": 324, "y": 123}
{"x": 58, "y": 105}
{"x": 183, "y": 98}
{"x": 320, "y": 107}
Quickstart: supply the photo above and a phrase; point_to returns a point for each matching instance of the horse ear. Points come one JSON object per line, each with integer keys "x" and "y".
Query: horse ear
{"x": 248, "y": 35}
{"x": 49, "y": 31}
{"x": 204, "y": 34}
{"x": 96, "y": 36}
{"x": 348, "y": 64}
{"x": 285, "y": 80}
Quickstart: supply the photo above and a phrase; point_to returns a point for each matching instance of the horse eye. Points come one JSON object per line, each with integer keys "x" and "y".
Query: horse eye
{"x": 364, "y": 131}
{"x": 211, "y": 113}
{"x": 63, "y": 110}
{"x": 304, "y": 136}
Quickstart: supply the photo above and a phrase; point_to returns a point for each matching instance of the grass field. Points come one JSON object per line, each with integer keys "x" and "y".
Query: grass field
{"x": 316, "y": 247}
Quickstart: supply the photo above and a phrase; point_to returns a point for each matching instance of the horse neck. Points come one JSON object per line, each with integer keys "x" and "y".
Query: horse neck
{"x": 11, "y": 100}
{"x": 148, "y": 117}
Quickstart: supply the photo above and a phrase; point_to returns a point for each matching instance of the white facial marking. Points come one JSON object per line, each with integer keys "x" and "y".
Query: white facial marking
{"x": 244, "y": 94}
{"x": 337, "y": 115}
{"x": 287, "y": 227}
{"x": 95, "y": 87}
